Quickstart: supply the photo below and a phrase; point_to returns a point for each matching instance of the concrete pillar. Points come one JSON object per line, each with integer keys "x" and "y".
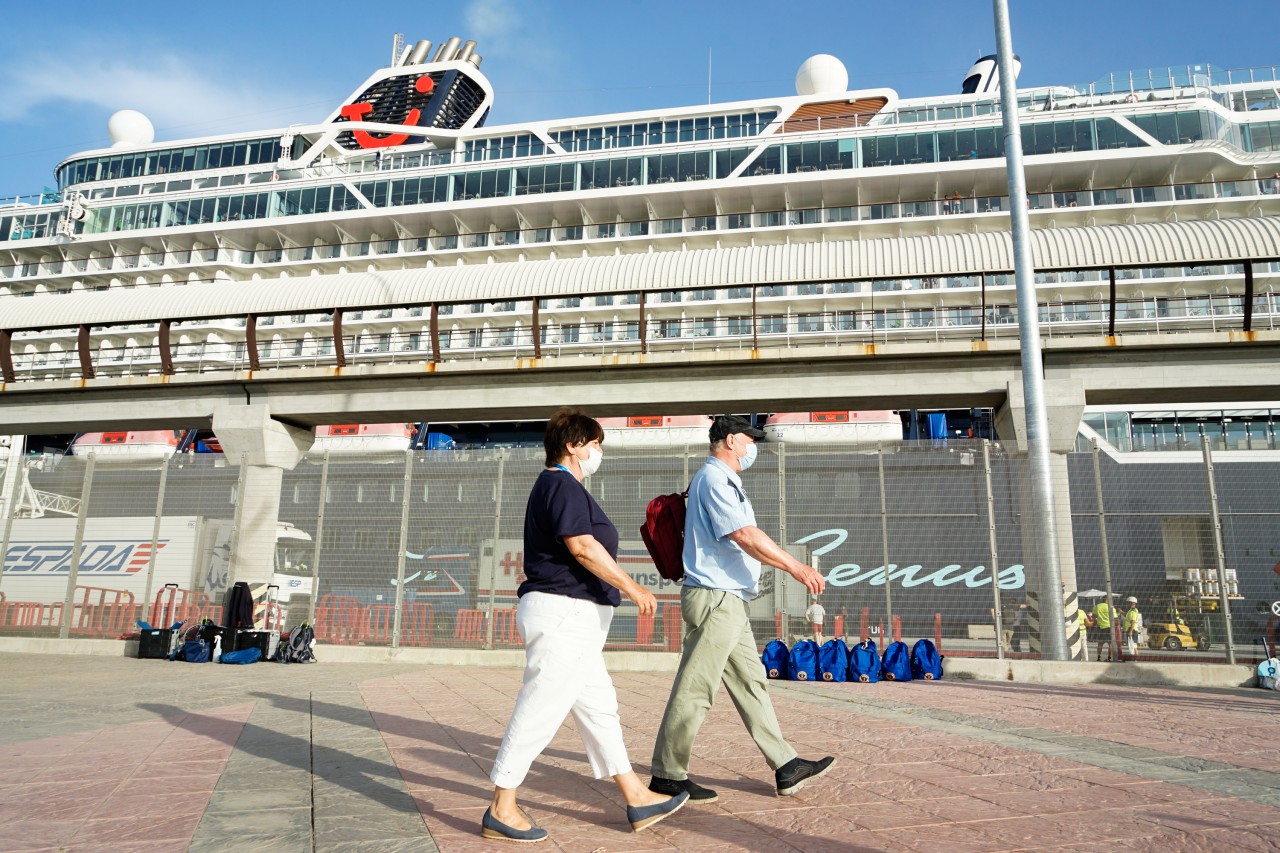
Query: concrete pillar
{"x": 266, "y": 448}
{"x": 1065, "y": 407}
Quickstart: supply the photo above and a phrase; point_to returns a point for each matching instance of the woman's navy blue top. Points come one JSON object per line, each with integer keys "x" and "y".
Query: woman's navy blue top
{"x": 560, "y": 506}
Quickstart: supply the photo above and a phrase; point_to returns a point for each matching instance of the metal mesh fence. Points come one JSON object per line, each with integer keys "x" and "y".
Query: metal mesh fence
{"x": 426, "y": 548}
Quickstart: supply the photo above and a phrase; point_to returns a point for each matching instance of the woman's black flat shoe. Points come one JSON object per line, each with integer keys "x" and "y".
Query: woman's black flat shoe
{"x": 643, "y": 817}
{"x": 491, "y": 827}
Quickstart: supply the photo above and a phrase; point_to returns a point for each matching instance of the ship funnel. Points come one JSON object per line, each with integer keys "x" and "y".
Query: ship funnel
{"x": 984, "y": 76}
{"x": 475, "y": 59}
{"x": 448, "y": 49}
{"x": 468, "y": 48}
{"x": 421, "y": 51}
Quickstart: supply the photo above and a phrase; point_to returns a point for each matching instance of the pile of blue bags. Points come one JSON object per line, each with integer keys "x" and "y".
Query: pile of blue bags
{"x": 835, "y": 661}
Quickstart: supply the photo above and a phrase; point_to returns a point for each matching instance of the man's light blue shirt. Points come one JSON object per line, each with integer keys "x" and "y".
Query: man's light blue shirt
{"x": 717, "y": 507}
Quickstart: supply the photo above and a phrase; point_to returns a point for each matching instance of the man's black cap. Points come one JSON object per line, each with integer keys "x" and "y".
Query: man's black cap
{"x": 726, "y": 425}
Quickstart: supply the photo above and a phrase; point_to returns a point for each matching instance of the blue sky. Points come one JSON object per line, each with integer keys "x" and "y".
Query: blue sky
{"x": 207, "y": 68}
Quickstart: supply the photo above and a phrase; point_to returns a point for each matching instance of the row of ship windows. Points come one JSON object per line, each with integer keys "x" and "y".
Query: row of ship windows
{"x": 1045, "y": 138}
{"x": 252, "y": 206}
{"x": 197, "y": 158}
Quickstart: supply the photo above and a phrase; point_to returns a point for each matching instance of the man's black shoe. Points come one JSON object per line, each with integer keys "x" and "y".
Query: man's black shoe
{"x": 671, "y": 787}
{"x": 793, "y": 775}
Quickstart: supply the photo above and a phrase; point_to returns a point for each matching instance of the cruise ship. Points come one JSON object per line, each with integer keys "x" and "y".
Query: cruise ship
{"x": 404, "y": 228}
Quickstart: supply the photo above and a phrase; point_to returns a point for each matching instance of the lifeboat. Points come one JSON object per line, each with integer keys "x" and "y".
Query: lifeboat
{"x": 656, "y": 431}
{"x": 144, "y": 447}
{"x": 844, "y": 427}
{"x": 364, "y": 438}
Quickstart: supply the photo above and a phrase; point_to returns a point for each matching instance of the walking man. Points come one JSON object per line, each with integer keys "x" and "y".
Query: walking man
{"x": 723, "y": 550}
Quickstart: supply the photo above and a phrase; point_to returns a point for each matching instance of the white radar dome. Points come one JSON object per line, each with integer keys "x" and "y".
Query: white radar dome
{"x": 822, "y": 74}
{"x": 130, "y": 128}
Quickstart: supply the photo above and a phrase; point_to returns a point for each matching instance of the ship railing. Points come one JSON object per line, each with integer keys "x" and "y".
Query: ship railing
{"x": 951, "y": 314}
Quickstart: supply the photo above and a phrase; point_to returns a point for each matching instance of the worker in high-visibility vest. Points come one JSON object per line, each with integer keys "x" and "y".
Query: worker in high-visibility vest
{"x": 1132, "y": 626}
{"x": 1102, "y": 615}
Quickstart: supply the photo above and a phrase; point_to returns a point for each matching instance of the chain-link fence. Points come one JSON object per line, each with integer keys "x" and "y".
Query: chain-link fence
{"x": 426, "y": 548}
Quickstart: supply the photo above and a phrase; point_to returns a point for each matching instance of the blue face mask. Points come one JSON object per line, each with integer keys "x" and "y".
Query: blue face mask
{"x": 748, "y": 459}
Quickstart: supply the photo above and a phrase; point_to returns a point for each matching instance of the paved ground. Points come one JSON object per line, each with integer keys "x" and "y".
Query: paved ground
{"x": 116, "y": 754}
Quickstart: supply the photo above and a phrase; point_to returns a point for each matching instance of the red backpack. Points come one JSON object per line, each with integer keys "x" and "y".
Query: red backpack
{"x": 663, "y": 534}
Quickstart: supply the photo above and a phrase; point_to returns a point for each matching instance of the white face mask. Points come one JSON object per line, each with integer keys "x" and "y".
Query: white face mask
{"x": 591, "y": 464}
{"x": 747, "y": 459}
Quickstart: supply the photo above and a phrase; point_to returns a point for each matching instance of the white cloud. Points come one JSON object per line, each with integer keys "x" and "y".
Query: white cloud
{"x": 491, "y": 20}
{"x": 177, "y": 94}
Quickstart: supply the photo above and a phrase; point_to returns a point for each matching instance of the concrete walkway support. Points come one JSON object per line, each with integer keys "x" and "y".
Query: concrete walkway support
{"x": 1065, "y": 401}
{"x": 265, "y": 448}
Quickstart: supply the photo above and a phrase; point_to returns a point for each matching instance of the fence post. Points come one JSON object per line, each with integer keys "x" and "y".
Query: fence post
{"x": 1219, "y": 556}
{"x": 315, "y": 551}
{"x": 995, "y": 554}
{"x": 884, "y": 537}
{"x": 1113, "y": 646}
{"x": 18, "y": 467}
{"x": 404, "y": 543}
{"x": 65, "y": 630}
{"x": 493, "y": 564}
{"x": 155, "y": 532}
{"x": 779, "y": 578}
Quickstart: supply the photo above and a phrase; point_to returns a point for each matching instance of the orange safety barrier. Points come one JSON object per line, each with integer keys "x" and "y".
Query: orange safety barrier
{"x": 644, "y": 628}
{"x": 415, "y": 627}
{"x": 381, "y": 621}
{"x": 504, "y": 627}
{"x": 341, "y": 620}
{"x": 937, "y": 631}
{"x": 777, "y": 625}
{"x": 864, "y": 624}
{"x": 897, "y": 628}
{"x": 672, "y": 626}
{"x": 101, "y": 612}
{"x": 173, "y": 604}
{"x": 31, "y": 615}
{"x": 468, "y": 626}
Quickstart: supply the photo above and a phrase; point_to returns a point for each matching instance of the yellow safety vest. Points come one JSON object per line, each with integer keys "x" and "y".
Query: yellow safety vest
{"x": 1102, "y": 615}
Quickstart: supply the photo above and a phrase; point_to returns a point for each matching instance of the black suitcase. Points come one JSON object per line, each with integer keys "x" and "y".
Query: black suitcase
{"x": 155, "y": 643}
{"x": 263, "y": 640}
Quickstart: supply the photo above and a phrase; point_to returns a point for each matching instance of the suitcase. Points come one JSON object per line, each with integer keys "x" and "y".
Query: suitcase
{"x": 156, "y": 643}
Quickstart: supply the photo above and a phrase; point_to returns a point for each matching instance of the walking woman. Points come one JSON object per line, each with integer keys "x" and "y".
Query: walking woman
{"x": 572, "y": 581}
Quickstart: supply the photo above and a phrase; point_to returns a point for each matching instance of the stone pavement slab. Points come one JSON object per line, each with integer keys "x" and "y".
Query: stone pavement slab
{"x": 117, "y": 754}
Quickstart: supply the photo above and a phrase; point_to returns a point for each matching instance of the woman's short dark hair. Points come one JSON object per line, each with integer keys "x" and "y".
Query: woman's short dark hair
{"x": 569, "y": 426}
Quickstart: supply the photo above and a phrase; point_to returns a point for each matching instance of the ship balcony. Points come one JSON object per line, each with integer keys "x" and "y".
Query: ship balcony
{"x": 37, "y": 271}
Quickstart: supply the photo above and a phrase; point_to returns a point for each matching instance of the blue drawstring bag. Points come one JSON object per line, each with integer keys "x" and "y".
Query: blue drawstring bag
{"x": 864, "y": 663}
{"x": 775, "y": 659}
{"x": 833, "y": 660}
{"x": 926, "y": 663}
{"x": 897, "y": 662}
{"x": 802, "y": 665}
{"x": 253, "y": 654}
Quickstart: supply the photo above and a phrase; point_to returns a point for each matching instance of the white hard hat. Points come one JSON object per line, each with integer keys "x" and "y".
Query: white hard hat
{"x": 1132, "y": 599}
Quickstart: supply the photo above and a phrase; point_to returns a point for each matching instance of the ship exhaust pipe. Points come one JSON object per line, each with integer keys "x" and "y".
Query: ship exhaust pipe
{"x": 468, "y": 48}
{"x": 421, "y": 51}
{"x": 448, "y": 49}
